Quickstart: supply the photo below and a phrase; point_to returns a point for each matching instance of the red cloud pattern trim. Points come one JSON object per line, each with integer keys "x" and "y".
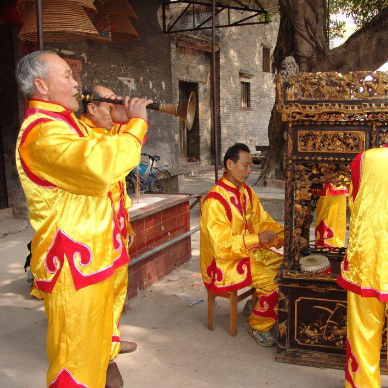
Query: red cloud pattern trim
{"x": 66, "y": 380}
{"x": 267, "y": 305}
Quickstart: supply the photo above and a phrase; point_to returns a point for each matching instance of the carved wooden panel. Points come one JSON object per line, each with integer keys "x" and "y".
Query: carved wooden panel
{"x": 316, "y": 315}
{"x": 330, "y": 142}
{"x": 317, "y": 94}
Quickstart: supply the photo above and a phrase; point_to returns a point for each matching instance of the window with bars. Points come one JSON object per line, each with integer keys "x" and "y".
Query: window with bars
{"x": 245, "y": 94}
{"x": 266, "y": 60}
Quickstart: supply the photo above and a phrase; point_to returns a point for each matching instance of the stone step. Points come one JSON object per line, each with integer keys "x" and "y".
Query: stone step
{"x": 12, "y": 226}
{"x": 6, "y": 214}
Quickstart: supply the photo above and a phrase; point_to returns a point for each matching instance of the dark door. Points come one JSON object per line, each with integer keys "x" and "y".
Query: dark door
{"x": 189, "y": 140}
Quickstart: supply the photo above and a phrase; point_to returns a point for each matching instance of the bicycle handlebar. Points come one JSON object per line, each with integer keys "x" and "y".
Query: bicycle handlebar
{"x": 152, "y": 157}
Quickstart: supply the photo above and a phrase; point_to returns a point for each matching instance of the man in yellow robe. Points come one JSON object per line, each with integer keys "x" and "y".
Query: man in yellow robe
{"x": 68, "y": 174}
{"x": 364, "y": 270}
{"x": 235, "y": 242}
{"x": 109, "y": 118}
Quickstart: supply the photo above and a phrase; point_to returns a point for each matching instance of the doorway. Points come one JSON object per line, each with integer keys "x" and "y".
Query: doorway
{"x": 189, "y": 140}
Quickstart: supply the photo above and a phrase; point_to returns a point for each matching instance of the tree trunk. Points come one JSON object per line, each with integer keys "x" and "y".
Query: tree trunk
{"x": 302, "y": 34}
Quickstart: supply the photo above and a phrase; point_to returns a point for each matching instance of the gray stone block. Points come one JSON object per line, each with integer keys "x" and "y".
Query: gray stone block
{"x": 12, "y": 227}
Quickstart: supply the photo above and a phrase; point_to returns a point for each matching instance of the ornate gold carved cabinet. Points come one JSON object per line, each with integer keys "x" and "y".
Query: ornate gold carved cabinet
{"x": 330, "y": 119}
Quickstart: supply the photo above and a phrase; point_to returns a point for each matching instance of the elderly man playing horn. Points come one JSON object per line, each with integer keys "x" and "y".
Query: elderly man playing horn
{"x": 102, "y": 116}
{"x": 108, "y": 118}
{"x": 236, "y": 240}
{"x": 69, "y": 175}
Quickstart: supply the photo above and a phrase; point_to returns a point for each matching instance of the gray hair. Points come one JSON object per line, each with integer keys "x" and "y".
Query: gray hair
{"x": 29, "y": 68}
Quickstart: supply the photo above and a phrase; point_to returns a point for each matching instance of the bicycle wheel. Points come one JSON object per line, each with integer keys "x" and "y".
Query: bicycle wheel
{"x": 161, "y": 182}
{"x": 131, "y": 184}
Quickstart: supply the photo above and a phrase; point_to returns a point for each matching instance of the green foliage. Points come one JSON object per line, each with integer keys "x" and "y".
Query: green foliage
{"x": 336, "y": 29}
{"x": 360, "y": 11}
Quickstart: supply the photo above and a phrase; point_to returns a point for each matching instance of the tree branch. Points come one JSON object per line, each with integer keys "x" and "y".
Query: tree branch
{"x": 366, "y": 49}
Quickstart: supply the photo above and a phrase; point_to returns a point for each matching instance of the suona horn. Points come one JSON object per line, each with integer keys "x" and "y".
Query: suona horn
{"x": 184, "y": 109}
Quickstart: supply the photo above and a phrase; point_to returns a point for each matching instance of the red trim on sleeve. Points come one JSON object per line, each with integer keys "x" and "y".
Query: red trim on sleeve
{"x": 34, "y": 178}
{"x": 245, "y": 245}
{"x": 129, "y": 133}
{"x": 364, "y": 292}
{"x": 64, "y": 116}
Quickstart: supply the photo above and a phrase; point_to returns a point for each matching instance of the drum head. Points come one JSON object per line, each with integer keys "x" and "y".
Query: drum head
{"x": 314, "y": 263}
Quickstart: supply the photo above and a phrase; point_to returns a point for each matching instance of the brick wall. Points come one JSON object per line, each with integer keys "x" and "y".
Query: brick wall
{"x": 152, "y": 231}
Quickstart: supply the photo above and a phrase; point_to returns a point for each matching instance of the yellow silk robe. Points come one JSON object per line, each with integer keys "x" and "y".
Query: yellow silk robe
{"x": 122, "y": 203}
{"x": 68, "y": 173}
{"x": 330, "y": 223}
{"x": 231, "y": 219}
{"x": 364, "y": 270}
{"x": 121, "y": 199}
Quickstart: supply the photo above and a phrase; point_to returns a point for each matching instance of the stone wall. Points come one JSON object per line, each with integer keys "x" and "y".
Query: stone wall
{"x": 241, "y": 59}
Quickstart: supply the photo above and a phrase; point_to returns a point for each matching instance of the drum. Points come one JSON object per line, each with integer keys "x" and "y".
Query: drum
{"x": 315, "y": 264}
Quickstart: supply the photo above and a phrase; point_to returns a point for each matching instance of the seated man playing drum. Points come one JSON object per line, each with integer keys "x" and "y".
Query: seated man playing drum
{"x": 236, "y": 240}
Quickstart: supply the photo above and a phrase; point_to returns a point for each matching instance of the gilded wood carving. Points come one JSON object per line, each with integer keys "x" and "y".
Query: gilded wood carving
{"x": 308, "y": 94}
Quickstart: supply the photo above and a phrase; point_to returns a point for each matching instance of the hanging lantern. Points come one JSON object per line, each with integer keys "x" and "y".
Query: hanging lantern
{"x": 24, "y": 6}
{"x": 63, "y": 20}
{"x": 112, "y": 22}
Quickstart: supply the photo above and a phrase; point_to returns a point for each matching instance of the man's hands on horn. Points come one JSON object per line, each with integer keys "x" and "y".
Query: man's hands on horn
{"x": 136, "y": 107}
{"x": 117, "y": 111}
{"x": 131, "y": 108}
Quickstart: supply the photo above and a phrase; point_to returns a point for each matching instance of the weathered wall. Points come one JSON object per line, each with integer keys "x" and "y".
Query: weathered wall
{"x": 241, "y": 49}
{"x": 194, "y": 66}
{"x": 142, "y": 68}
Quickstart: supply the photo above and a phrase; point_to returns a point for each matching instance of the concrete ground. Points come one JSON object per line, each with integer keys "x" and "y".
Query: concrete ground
{"x": 175, "y": 349}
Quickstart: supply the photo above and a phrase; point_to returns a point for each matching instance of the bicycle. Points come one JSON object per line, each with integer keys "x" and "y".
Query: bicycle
{"x": 158, "y": 180}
